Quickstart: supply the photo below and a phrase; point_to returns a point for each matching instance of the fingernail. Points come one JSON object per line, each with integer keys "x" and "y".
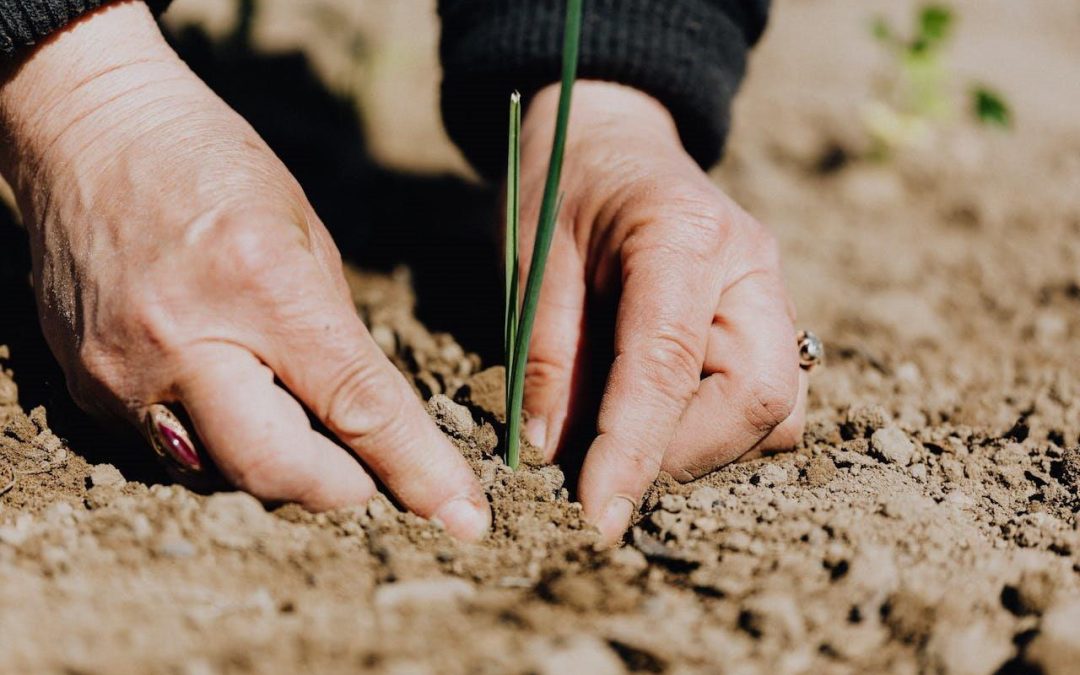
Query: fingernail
{"x": 464, "y": 518}
{"x": 615, "y": 519}
{"x": 179, "y": 448}
{"x": 536, "y": 432}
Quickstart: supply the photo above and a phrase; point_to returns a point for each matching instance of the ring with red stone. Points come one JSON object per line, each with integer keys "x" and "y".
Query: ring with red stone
{"x": 170, "y": 439}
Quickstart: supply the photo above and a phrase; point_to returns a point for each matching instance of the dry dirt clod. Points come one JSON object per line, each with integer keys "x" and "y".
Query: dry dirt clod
{"x": 975, "y": 649}
{"x": 486, "y": 391}
{"x": 9, "y": 391}
{"x": 1056, "y": 649}
{"x": 235, "y": 520}
{"x": 707, "y": 524}
{"x": 773, "y": 616}
{"x": 771, "y": 475}
{"x": 704, "y": 498}
{"x": 819, "y": 471}
{"x": 863, "y": 420}
{"x": 385, "y": 338}
{"x": 174, "y": 546}
{"x": 454, "y": 418}
{"x": 673, "y": 503}
{"x": 423, "y": 592}
{"x": 892, "y": 445}
{"x": 577, "y": 654}
{"x": 106, "y": 475}
{"x": 1033, "y": 593}
{"x": 629, "y": 558}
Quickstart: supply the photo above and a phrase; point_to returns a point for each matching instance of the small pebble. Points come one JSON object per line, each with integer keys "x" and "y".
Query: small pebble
{"x": 864, "y": 420}
{"x": 704, "y": 498}
{"x": 771, "y": 475}
{"x": 630, "y": 558}
{"x": 453, "y": 417}
{"x": 386, "y": 339}
{"x": 673, "y": 503}
{"x": 893, "y": 446}
{"x": 174, "y": 547}
{"x": 106, "y": 475}
{"x": 972, "y": 649}
{"x": 1035, "y": 590}
{"x": 578, "y": 654}
{"x": 665, "y": 521}
{"x": 707, "y": 524}
{"x": 423, "y": 592}
{"x": 9, "y": 392}
{"x": 379, "y": 509}
{"x": 235, "y": 520}
{"x": 775, "y": 616}
{"x": 819, "y": 471}
{"x": 1056, "y": 649}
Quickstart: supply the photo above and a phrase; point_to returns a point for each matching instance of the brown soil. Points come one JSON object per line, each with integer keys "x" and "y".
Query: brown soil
{"x": 928, "y": 522}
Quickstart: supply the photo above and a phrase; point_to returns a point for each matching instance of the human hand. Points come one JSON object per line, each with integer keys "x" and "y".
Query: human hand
{"x": 176, "y": 260}
{"x": 705, "y": 367}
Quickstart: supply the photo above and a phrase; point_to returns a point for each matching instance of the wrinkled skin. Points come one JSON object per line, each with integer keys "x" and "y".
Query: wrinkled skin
{"x": 705, "y": 367}
{"x": 176, "y": 260}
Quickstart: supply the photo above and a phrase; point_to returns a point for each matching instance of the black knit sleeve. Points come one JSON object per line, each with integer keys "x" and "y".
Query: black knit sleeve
{"x": 26, "y": 22}
{"x": 689, "y": 54}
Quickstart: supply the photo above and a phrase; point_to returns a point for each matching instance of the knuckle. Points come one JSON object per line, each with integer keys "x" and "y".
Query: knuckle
{"x": 97, "y": 370}
{"x": 768, "y": 402}
{"x": 247, "y": 250}
{"x": 672, "y": 362}
{"x": 543, "y": 371}
{"x": 695, "y": 222}
{"x": 149, "y": 323}
{"x": 641, "y": 461}
{"x": 706, "y": 210}
{"x": 768, "y": 247}
{"x": 364, "y": 405}
{"x": 250, "y": 252}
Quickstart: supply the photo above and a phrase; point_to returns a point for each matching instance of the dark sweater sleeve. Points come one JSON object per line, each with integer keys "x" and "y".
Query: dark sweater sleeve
{"x": 27, "y": 22}
{"x": 689, "y": 54}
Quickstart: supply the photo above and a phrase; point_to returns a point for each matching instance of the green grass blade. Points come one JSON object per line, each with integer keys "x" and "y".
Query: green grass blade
{"x": 513, "y": 217}
{"x": 544, "y": 232}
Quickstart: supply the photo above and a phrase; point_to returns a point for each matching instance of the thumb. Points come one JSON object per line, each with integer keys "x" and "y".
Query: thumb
{"x": 555, "y": 350}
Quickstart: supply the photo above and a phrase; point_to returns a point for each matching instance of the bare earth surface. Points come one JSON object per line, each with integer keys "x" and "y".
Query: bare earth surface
{"x": 928, "y": 523}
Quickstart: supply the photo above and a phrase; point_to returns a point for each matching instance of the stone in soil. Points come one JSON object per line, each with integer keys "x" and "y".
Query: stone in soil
{"x": 892, "y": 445}
{"x": 1056, "y": 648}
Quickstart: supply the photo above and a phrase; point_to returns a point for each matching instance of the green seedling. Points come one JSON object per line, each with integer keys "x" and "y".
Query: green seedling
{"x": 520, "y": 318}
{"x": 917, "y": 95}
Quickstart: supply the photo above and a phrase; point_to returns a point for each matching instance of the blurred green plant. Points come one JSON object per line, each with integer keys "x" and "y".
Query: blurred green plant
{"x": 917, "y": 92}
{"x": 990, "y": 108}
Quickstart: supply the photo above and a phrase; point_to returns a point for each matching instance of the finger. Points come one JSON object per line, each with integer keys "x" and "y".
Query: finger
{"x": 753, "y": 385}
{"x": 329, "y": 361}
{"x": 660, "y": 337}
{"x": 260, "y": 438}
{"x": 554, "y": 365}
{"x": 790, "y": 432}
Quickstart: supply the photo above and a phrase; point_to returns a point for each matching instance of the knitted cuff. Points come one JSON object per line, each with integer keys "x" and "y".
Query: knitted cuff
{"x": 26, "y": 22}
{"x": 688, "y": 54}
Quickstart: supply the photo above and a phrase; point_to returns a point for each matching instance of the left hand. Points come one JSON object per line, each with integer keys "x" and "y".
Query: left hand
{"x": 705, "y": 367}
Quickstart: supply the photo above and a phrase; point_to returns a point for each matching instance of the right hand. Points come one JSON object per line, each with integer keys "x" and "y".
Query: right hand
{"x": 177, "y": 260}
